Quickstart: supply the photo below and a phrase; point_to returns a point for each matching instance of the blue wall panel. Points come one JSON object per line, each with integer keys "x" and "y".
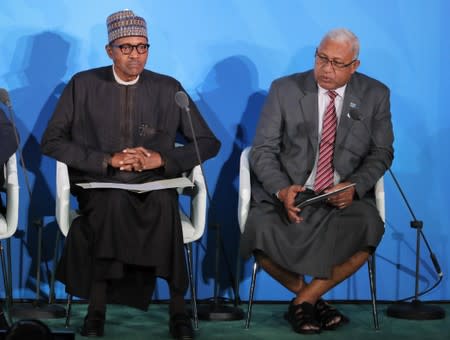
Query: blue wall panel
{"x": 226, "y": 53}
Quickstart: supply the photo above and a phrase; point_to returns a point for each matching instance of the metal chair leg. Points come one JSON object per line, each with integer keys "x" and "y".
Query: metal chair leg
{"x": 51, "y": 295}
{"x": 68, "y": 310}
{"x": 192, "y": 284}
{"x": 8, "y": 259}
{"x": 4, "y": 272}
{"x": 370, "y": 266}
{"x": 250, "y": 297}
{"x": 237, "y": 296}
{"x": 39, "y": 227}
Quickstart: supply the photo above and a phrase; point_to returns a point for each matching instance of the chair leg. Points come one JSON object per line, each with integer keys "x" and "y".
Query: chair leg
{"x": 370, "y": 266}
{"x": 8, "y": 259}
{"x": 5, "y": 274}
{"x": 192, "y": 285}
{"x": 51, "y": 295}
{"x": 68, "y": 310}
{"x": 38, "y": 225}
{"x": 237, "y": 297}
{"x": 250, "y": 297}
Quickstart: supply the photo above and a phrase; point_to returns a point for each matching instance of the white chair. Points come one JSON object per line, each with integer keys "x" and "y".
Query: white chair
{"x": 244, "y": 207}
{"x": 193, "y": 225}
{"x": 8, "y": 223}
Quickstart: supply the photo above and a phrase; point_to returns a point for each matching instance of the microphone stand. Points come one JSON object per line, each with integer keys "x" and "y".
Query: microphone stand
{"x": 38, "y": 308}
{"x": 416, "y": 310}
{"x": 215, "y": 309}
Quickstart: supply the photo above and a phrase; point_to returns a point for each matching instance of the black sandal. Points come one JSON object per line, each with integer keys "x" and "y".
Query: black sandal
{"x": 302, "y": 318}
{"x": 328, "y": 316}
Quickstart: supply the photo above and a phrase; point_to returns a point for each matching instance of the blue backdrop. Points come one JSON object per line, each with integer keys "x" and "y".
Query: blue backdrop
{"x": 226, "y": 53}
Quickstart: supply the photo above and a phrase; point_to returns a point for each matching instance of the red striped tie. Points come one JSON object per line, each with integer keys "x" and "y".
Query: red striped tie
{"x": 325, "y": 169}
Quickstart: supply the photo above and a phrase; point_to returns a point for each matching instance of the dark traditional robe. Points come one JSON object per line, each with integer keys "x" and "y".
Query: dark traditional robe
{"x": 8, "y": 145}
{"x": 123, "y": 237}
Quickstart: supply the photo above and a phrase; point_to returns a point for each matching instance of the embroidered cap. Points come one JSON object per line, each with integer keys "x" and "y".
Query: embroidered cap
{"x": 125, "y": 24}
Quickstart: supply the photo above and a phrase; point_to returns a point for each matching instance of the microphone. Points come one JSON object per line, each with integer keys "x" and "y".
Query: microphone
{"x": 354, "y": 114}
{"x": 215, "y": 311}
{"x": 4, "y": 99}
{"x": 182, "y": 101}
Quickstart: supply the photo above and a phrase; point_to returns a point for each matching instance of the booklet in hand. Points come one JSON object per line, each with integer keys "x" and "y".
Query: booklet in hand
{"x": 309, "y": 197}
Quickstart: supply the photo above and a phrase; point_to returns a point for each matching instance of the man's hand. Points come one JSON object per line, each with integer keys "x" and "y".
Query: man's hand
{"x": 344, "y": 198}
{"x": 136, "y": 159}
{"x": 287, "y": 196}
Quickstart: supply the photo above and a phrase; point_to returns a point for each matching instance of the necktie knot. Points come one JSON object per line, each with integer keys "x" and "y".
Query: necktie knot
{"x": 332, "y": 94}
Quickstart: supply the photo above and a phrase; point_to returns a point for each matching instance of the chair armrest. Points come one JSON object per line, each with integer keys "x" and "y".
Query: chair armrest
{"x": 198, "y": 202}
{"x": 244, "y": 189}
{"x": 12, "y": 196}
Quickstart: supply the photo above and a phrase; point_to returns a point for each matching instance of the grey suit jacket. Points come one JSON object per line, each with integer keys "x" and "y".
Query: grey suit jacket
{"x": 286, "y": 141}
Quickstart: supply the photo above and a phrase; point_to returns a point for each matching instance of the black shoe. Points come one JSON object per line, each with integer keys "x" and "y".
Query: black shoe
{"x": 180, "y": 327}
{"x": 93, "y": 326}
{"x": 3, "y": 322}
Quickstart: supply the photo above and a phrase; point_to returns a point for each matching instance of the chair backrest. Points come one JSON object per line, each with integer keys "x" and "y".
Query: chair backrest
{"x": 65, "y": 215}
{"x": 245, "y": 191}
{"x": 8, "y": 226}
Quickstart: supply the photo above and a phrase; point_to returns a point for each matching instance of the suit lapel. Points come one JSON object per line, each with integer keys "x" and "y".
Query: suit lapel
{"x": 351, "y": 101}
{"x": 309, "y": 109}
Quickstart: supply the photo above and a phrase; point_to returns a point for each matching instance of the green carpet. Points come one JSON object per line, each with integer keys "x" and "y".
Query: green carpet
{"x": 267, "y": 323}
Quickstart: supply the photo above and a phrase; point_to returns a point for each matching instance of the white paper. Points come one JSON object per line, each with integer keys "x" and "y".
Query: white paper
{"x": 179, "y": 182}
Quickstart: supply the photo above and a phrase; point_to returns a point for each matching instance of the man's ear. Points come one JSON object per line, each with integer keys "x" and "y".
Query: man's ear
{"x": 355, "y": 66}
{"x": 108, "y": 49}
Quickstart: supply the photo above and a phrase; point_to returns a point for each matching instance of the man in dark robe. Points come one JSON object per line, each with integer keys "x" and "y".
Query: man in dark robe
{"x": 120, "y": 124}
{"x": 8, "y": 145}
{"x": 308, "y": 138}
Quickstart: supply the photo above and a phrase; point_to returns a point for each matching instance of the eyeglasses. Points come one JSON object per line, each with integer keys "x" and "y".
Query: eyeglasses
{"x": 128, "y": 48}
{"x": 323, "y": 60}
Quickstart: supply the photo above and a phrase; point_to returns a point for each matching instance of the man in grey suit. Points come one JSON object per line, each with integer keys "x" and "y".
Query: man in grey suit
{"x": 328, "y": 241}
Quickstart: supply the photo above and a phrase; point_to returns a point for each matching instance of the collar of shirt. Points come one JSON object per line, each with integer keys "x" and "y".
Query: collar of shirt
{"x": 122, "y": 82}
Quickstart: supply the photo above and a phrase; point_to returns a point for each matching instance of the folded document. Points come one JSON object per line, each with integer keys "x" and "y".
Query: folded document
{"x": 309, "y": 197}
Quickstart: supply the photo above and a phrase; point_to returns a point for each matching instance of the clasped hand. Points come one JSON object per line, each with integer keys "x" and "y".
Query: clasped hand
{"x": 287, "y": 197}
{"x": 136, "y": 159}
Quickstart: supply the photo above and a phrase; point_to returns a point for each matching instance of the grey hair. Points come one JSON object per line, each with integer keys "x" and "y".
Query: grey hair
{"x": 344, "y": 35}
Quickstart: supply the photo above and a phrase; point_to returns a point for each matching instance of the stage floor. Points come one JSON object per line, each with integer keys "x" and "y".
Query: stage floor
{"x": 267, "y": 323}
